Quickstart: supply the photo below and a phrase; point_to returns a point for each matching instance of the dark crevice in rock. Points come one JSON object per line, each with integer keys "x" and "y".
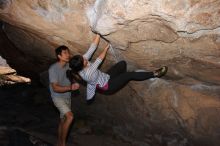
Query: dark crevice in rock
{"x": 16, "y": 54}
{"x": 156, "y": 40}
{"x": 4, "y": 3}
{"x": 9, "y": 40}
{"x": 199, "y": 33}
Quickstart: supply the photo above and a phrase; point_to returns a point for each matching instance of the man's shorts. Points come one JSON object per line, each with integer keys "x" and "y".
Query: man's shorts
{"x": 63, "y": 104}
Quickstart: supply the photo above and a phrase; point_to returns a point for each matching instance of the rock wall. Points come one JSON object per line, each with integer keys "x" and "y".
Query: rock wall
{"x": 182, "y": 34}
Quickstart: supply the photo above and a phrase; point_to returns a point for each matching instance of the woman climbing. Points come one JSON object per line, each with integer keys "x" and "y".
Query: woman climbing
{"x": 111, "y": 81}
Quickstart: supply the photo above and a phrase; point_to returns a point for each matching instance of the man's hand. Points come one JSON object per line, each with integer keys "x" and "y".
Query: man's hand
{"x": 75, "y": 86}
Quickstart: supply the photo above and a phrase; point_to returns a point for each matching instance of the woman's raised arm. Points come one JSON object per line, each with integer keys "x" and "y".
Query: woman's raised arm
{"x": 92, "y": 47}
{"x": 104, "y": 52}
{"x": 97, "y": 39}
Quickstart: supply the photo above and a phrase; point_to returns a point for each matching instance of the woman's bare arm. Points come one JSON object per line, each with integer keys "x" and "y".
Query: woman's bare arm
{"x": 97, "y": 39}
{"x": 104, "y": 52}
{"x": 92, "y": 48}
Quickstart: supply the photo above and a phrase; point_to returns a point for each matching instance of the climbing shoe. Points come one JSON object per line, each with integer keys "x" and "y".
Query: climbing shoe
{"x": 160, "y": 72}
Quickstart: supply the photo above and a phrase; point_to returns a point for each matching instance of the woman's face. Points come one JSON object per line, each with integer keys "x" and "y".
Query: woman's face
{"x": 85, "y": 62}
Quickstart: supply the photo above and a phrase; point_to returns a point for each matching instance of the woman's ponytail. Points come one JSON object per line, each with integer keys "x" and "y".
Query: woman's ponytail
{"x": 76, "y": 65}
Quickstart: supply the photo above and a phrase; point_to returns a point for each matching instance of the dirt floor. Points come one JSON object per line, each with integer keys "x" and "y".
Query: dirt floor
{"x": 28, "y": 118}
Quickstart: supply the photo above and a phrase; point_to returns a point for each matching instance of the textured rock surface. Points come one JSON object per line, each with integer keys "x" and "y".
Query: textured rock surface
{"x": 8, "y": 75}
{"x": 182, "y": 34}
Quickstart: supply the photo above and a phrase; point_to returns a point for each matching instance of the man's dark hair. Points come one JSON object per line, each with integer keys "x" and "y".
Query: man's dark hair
{"x": 60, "y": 49}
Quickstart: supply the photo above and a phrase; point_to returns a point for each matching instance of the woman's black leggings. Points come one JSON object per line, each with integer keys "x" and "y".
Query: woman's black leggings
{"x": 119, "y": 77}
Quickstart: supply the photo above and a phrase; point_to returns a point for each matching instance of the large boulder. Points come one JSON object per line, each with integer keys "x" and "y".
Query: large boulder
{"x": 184, "y": 35}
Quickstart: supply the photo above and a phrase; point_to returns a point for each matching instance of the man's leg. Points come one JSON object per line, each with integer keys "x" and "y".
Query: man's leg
{"x": 60, "y": 131}
{"x": 68, "y": 118}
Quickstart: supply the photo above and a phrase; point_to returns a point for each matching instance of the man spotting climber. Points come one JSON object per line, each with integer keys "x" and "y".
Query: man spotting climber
{"x": 60, "y": 88}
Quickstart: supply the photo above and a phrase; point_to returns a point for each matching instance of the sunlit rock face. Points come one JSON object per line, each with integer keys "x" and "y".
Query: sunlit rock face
{"x": 8, "y": 75}
{"x": 182, "y": 34}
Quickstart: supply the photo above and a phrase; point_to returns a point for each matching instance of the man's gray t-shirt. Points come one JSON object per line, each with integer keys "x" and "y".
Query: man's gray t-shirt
{"x": 57, "y": 74}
